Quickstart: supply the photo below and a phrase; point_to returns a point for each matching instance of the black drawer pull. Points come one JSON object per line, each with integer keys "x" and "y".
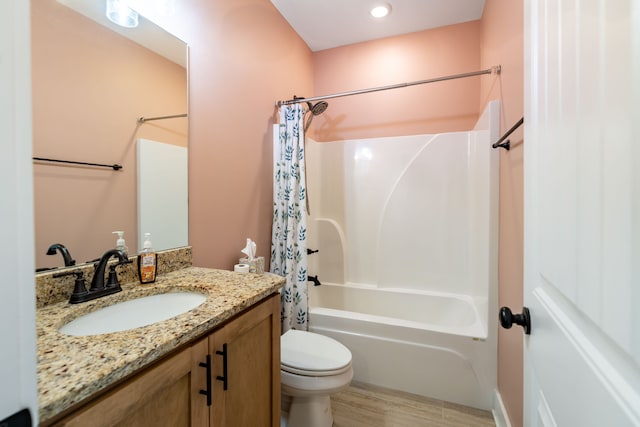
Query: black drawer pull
{"x": 225, "y": 377}
{"x": 207, "y": 392}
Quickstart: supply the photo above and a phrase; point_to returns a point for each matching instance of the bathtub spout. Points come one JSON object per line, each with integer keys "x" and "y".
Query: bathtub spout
{"x": 315, "y": 280}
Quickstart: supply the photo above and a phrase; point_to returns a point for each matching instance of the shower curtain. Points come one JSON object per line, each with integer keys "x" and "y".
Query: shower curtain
{"x": 289, "y": 230}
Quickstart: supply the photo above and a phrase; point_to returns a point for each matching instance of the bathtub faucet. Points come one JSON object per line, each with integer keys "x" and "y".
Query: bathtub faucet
{"x": 314, "y": 279}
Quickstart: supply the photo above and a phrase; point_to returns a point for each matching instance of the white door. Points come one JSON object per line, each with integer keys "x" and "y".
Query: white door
{"x": 17, "y": 288}
{"x": 582, "y": 212}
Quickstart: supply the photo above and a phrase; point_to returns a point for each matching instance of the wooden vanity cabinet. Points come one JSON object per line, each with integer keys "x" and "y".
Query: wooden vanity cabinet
{"x": 158, "y": 396}
{"x": 245, "y": 387}
{"x": 174, "y": 391}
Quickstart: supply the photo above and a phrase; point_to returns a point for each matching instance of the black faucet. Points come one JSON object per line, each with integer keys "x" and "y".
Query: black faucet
{"x": 98, "y": 288}
{"x": 97, "y": 283}
{"x": 68, "y": 261}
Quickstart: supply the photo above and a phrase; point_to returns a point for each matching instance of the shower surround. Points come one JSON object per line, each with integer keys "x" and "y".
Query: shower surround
{"x": 406, "y": 229}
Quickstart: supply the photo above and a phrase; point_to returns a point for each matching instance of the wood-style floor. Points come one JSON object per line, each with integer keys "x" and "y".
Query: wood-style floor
{"x": 363, "y": 405}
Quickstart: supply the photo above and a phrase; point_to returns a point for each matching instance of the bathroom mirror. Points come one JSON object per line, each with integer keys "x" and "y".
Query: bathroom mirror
{"x": 90, "y": 84}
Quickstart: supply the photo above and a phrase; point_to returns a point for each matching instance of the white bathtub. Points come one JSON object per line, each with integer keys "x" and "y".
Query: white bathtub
{"x": 427, "y": 343}
{"x": 407, "y": 233}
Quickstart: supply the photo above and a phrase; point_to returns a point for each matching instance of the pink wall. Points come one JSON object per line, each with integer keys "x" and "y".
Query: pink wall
{"x": 243, "y": 57}
{"x": 89, "y": 86}
{"x": 436, "y": 107}
{"x": 502, "y": 42}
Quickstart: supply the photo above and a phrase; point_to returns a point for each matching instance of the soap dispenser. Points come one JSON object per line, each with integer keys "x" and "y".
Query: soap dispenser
{"x": 120, "y": 243}
{"x": 147, "y": 261}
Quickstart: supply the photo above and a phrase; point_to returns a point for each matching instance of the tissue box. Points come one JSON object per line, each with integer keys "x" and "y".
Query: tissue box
{"x": 255, "y": 266}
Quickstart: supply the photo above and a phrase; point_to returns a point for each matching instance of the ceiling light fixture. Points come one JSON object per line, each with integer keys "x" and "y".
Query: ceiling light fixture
{"x": 381, "y": 11}
{"x": 119, "y": 13}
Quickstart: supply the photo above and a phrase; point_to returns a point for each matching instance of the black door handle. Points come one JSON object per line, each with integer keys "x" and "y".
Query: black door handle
{"x": 507, "y": 319}
{"x": 207, "y": 392}
{"x": 225, "y": 375}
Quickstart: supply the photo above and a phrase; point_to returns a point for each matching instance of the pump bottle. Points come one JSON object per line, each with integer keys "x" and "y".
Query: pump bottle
{"x": 147, "y": 261}
{"x": 120, "y": 243}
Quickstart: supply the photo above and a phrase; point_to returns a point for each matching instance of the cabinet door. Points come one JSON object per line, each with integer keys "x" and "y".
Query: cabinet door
{"x": 159, "y": 396}
{"x": 251, "y": 347}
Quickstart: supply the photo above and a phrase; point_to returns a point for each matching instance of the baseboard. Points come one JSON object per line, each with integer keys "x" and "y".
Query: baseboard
{"x": 499, "y": 412}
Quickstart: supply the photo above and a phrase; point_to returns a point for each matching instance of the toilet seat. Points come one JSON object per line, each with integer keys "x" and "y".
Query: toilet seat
{"x": 306, "y": 373}
{"x": 313, "y": 355}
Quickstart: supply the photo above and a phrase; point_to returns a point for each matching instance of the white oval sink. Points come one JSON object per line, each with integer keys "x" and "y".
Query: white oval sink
{"x": 133, "y": 313}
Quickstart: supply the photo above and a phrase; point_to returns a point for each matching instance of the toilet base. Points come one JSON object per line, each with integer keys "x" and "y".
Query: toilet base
{"x": 310, "y": 411}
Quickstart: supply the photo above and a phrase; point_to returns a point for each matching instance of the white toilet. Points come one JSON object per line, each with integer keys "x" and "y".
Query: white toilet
{"x": 312, "y": 367}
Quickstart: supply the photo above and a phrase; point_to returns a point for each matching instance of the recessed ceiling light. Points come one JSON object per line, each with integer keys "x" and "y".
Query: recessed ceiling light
{"x": 381, "y": 11}
{"x": 120, "y": 13}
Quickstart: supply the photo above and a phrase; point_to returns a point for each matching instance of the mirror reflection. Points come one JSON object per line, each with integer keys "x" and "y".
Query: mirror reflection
{"x": 89, "y": 87}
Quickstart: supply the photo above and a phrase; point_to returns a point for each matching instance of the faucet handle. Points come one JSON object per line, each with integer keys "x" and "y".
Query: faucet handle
{"x": 79, "y": 289}
{"x": 112, "y": 280}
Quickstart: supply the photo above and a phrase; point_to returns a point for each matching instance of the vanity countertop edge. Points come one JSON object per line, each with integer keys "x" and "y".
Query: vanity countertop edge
{"x": 74, "y": 368}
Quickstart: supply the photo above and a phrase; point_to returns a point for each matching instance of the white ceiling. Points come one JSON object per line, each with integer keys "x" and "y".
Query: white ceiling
{"x": 324, "y": 24}
{"x": 146, "y": 34}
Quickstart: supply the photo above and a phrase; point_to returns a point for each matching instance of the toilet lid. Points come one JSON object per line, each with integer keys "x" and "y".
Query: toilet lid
{"x": 307, "y": 351}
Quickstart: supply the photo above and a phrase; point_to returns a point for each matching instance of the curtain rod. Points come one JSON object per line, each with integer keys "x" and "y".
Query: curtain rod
{"x": 492, "y": 70}
{"x": 148, "y": 119}
{"x": 507, "y": 144}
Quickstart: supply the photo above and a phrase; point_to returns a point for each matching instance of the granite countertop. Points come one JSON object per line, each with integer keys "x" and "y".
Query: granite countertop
{"x": 72, "y": 368}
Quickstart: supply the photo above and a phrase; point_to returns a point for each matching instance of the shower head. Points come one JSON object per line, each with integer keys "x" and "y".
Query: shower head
{"x": 318, "y": 108}
{"x": 315, "y": 110}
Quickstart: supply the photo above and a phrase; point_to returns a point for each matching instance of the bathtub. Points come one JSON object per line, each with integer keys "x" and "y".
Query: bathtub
{"x": 406, "y": 229}
{"x": 427, "y": 343}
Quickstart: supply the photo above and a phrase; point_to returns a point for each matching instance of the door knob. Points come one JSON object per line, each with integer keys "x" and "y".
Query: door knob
{"x": 507, "y": 319}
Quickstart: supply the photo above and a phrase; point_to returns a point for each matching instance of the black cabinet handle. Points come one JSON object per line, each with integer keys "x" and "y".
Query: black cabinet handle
{"x": 225, "y": 377}
{"x": 507, "y": 319}
{"x": 19, "y": 419}
{"x": 207, "y": 392}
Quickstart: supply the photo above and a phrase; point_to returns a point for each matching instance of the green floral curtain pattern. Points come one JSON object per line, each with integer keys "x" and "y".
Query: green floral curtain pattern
{"x": 289, "y": 232}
